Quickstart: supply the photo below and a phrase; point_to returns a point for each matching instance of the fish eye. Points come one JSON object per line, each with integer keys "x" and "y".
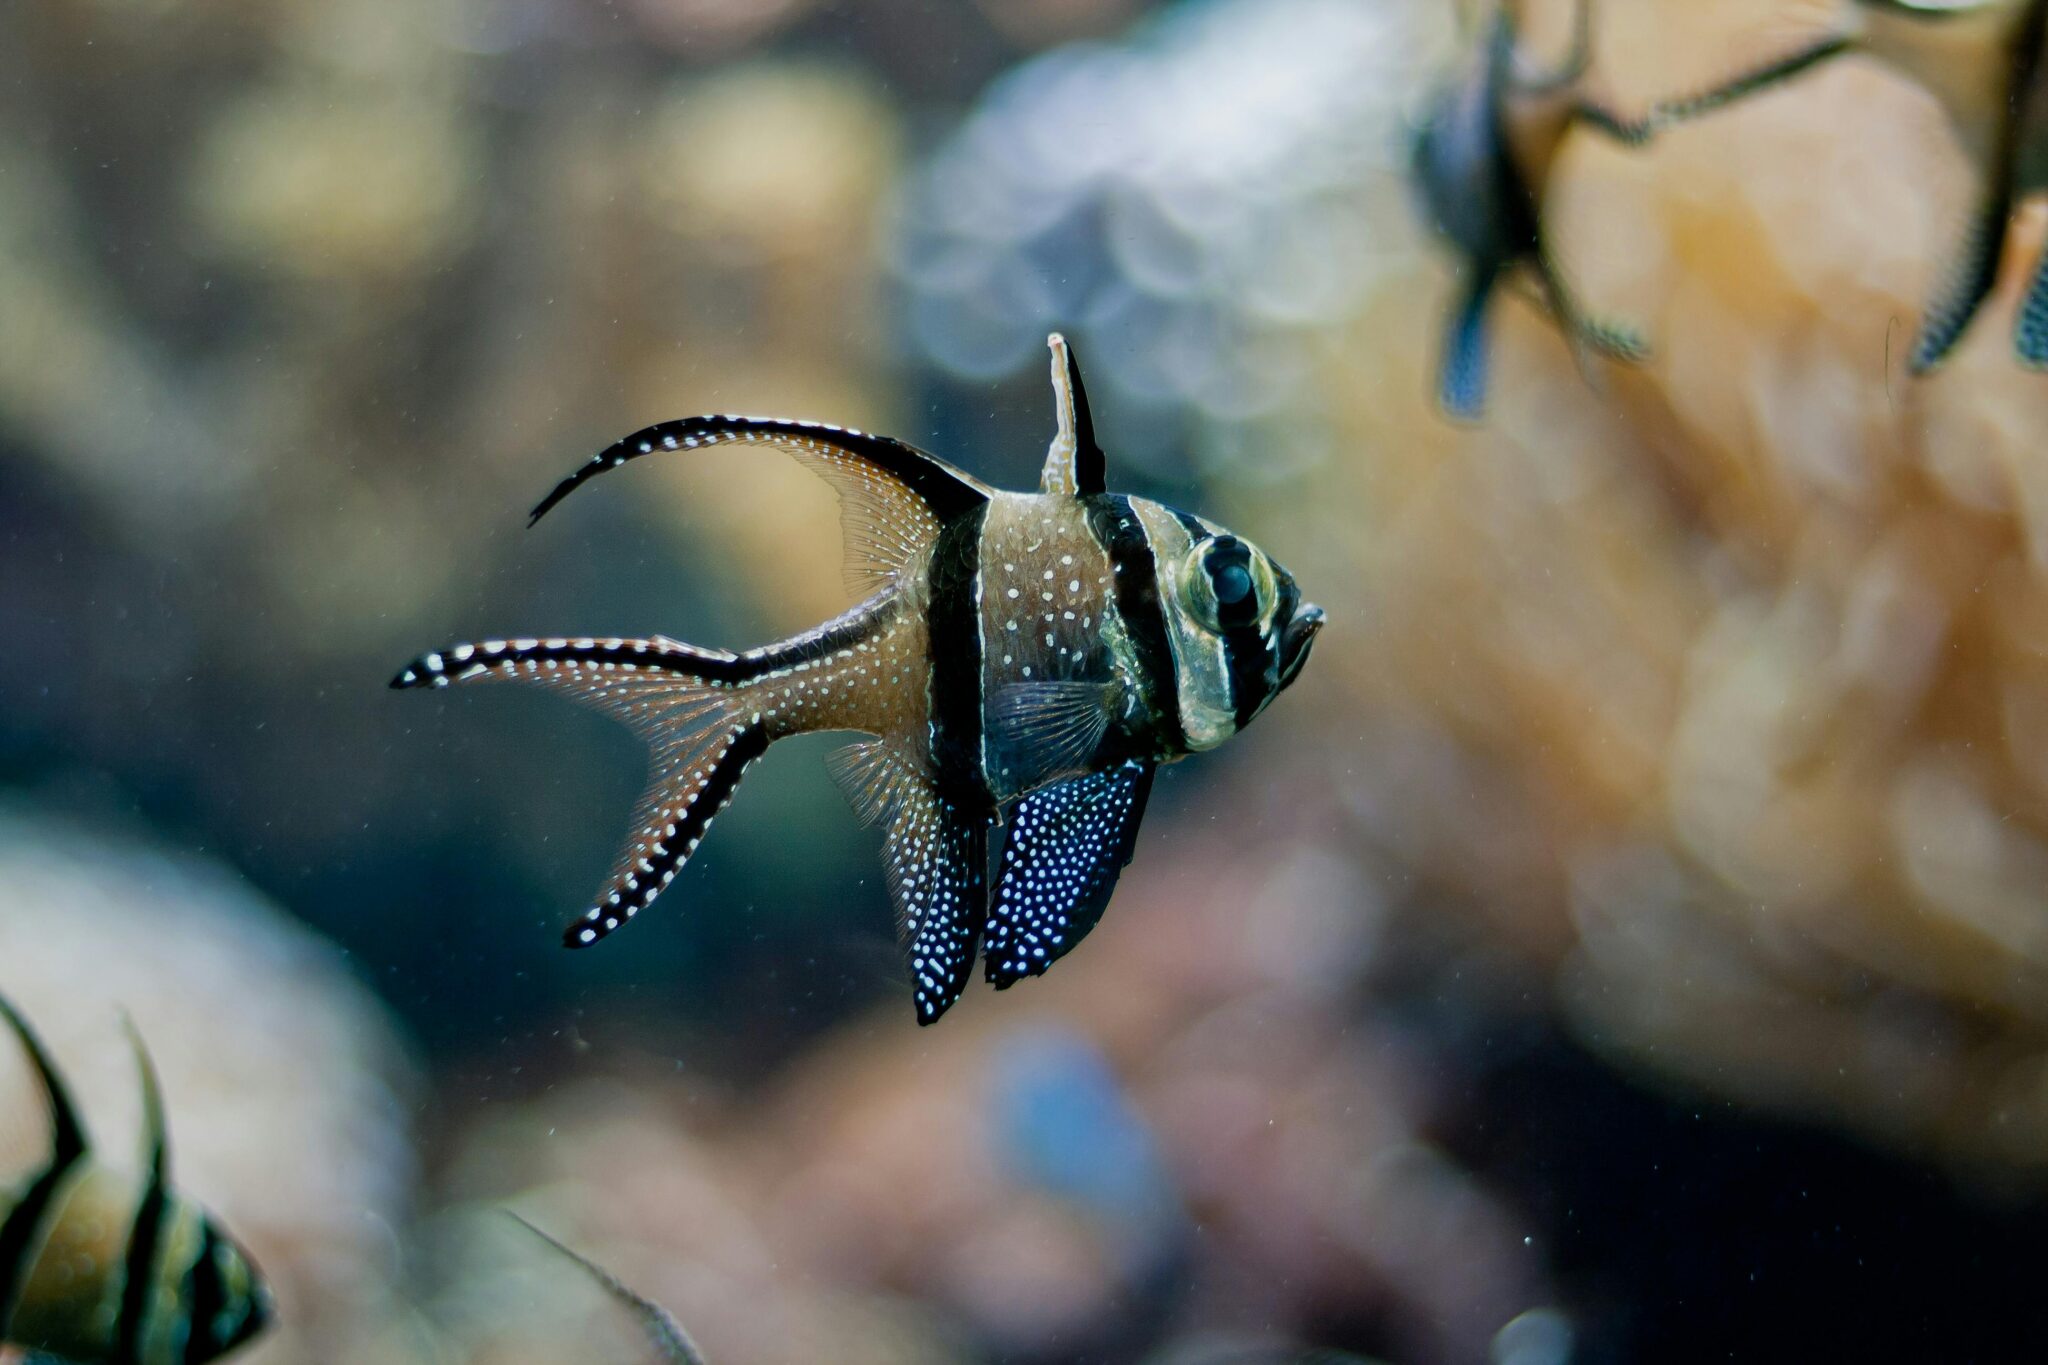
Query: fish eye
{"x": 1224, "y": 587}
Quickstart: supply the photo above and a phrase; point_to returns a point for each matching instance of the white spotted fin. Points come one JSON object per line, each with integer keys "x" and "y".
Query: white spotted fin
{"x": 1068, "y": 844}
{"x": 936, "y": 857}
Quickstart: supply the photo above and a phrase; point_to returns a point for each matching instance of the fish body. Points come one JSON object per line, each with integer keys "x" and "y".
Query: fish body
{"x": 98, "y": 1269}
{"x": 1019, "y": 658}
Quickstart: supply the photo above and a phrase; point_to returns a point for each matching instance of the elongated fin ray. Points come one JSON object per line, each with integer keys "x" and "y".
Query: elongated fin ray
{"x": 1462, "y": 368}
{"x": 1067, "y": 846}
{"x": 893, "y": 496}
{"x": 1965, "y": 282}
{"x": 1059, "y": 724}
{"x": 1074, "y": 466}
{"x": 683, "y": 701}
{"x": 664, "y": 1333}
{"x": 695, "y": 774}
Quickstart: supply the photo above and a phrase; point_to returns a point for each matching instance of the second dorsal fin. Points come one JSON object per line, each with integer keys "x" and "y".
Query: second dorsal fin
{"x": 1074, "y": 464}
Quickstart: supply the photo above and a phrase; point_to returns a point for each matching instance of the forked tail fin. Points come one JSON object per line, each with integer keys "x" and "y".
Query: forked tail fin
{"x": 701, "y": 729}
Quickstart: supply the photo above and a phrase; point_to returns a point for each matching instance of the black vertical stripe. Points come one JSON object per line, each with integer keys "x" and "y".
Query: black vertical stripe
{"x": 206, "y": 1294}
{"x": 1135, "y": 571}
{"x": 953, "y": 629}
{"x": 139, "y": 1271}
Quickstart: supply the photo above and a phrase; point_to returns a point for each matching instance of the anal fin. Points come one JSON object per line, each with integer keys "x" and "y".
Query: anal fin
{"x": 936, "y": 856}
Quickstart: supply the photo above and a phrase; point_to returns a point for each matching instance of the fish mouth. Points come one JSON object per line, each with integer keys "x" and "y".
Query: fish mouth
{"x": 1295, "y": 638}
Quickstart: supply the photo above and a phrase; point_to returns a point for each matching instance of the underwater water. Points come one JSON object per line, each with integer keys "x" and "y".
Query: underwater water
{"x": 1624, "y": 939}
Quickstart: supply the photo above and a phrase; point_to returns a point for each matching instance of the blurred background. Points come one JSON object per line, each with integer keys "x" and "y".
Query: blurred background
{"x": 1631, "y": 938}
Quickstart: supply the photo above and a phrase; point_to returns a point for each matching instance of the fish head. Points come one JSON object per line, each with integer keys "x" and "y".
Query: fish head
{"x": 1238, "y": 629}
{"x": 231, "y": 1303}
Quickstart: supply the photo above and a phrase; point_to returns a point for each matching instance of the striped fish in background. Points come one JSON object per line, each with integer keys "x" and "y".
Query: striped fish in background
{"x": 1024, "y": 656}
{"x": 96, "y": 1269}
{"x": 1481, "y": 164}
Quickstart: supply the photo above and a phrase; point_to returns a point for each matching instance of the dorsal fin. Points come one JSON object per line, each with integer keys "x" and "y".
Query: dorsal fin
{"x": 156, "y": 1142}
{"x": 1074, "y": 464}
{"x": 68, "y": 1140}
{"x": 893, "y": 497}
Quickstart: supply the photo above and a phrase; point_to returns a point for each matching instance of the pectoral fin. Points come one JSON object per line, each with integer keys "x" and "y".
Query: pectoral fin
{"x": 1067, "y": 846}
{"x": 1058, "y": 725}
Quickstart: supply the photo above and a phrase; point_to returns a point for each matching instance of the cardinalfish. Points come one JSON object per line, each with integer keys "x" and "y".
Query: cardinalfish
{"x": 1482, "y": 161}
{"x": 1029, "y": 658}
{"x": 95, "y": 1270}
{"x": 664, "y": 1335}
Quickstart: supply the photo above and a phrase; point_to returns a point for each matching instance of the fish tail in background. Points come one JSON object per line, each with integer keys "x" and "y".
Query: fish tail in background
{"x": 1964, "y": 284}
{"x": 692, "y": 706}
{"x": 1462, "y": 368}
{"x": 1614, "y": 340}
{"x": 2030, "y": 328}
